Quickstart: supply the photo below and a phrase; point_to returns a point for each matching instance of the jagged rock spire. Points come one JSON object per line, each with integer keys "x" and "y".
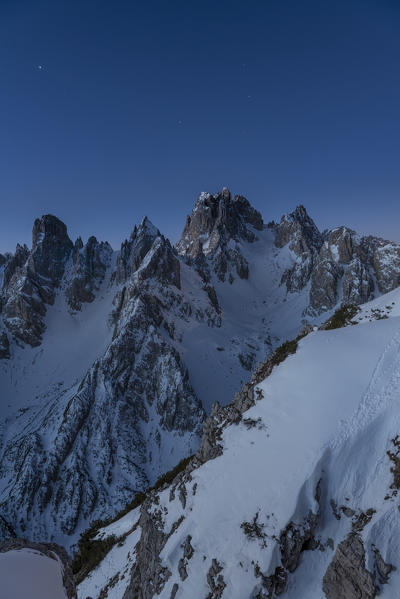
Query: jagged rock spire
{"x": 51, "y": 248}
{"x": 90, "y": 262}
{"x": 299, "y": 229}
{"x": 134, "y": 249}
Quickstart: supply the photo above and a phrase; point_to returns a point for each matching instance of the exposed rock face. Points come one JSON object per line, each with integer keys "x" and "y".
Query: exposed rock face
{"x": 111, "y": 435}
{"x": 213, "y": 218}
{"x": 382, "y": 569}
{"x": 324, "y": 284}
{"x": 30, "y": 278}
{"x": 89, "y": 267}
{"x": 32, "y": 284}
{"x": 341, "y": 244}
{"x": 222, "y": 416}
{"x": 217, "y": 220}
{"x": 215, "y": 580}
{"x": 12, "y": 262}
{"x": 51, "y": 247}
{"x": 386, "y": 264}
{"x": 50, "y": 550}
{"x": 293, "y": 539}
{"x": 346, "y": 576}
{"x": 338, "y": 265}
{"x": 358, "y": 285}
{"x": 162, "y": 264}
{"x": 341, "y": 269}
{"x": 135, "y": 249}
{"x": 299, "y": 231}
{"x": 125, "y": 408}
{"x": 148, "y": 576}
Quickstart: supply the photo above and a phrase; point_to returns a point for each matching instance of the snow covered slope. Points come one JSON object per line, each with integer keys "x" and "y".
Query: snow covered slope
{"x": 294, "y": 492}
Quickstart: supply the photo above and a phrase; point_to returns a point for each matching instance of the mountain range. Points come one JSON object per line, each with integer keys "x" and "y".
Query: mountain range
{"x": 117, "y": 365}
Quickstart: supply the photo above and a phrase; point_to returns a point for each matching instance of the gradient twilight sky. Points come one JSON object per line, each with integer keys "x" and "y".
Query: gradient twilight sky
{"x": 110, "y": 110}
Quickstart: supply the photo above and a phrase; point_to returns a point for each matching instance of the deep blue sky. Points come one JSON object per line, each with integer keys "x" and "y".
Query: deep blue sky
{"x": 139, "y": 106}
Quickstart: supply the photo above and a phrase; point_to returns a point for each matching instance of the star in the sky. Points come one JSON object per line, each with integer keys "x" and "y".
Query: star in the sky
{"x": 40, "y": 67}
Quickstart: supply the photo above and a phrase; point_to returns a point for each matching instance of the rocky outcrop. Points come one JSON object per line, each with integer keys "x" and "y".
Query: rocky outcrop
{"x": 51, "y": 247}
{"x": 31, "y": 278}
{"x": 216, "y": 218}
{"x": 324, "y": 285}
{"x": 341, "y": 244}
{"x": 148, "y": 575}
{"x": 210, "y": 233}
{"x": 294, "y": 539}
{"x": 299, "y": 232}
{"x": 162, "y": 264}
{"x": 135, "y": 249}
{"x": 386, "y": 264}
{"x": 147, "y": 254}
{"x": 14, "y": 261}
{"x": 32, "y": 284}
{"x": 215, "y": 580}
{"x": 358, "y": 285}
{"x": 382, "y": 570}
{"x": 222, "y": 416}
{"x": 338, "y": 265}
{"x": 50, "y": 550}
{"x": 346, "y": 576}
{"x": 89, "y": 265}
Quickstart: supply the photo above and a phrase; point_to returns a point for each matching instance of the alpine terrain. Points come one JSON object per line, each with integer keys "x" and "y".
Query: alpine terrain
{"x": 219, "y": 416}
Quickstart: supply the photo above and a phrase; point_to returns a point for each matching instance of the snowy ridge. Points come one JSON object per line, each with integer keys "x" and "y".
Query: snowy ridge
{"x": 302, "y": 484}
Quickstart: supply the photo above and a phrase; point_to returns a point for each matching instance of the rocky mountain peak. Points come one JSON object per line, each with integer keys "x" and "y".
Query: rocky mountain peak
{"x": 147, "y": 228}
{"x": 89, "y": 266}
{"x": 49, "y": 228}
{"x": 134, "y": 249}
{"x": 299, "y": 229}
{"x": 31, "y": 277}
{"x": 51, "y": 248}
{"x": 215, "y": 220}
{"x": 212, "y": 234}
{"x": 299, "y": 232}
